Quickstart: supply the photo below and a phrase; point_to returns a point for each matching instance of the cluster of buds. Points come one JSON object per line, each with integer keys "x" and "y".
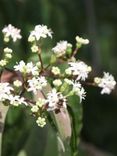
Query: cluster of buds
{"x": 7, "y": 56}
{"x": 37, "y": 111}
{"x": 36, "y": 76}
{"x": 80, "y": 41}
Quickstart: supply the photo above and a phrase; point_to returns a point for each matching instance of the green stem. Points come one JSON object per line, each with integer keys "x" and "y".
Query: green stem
{"x": 40, "y": 59}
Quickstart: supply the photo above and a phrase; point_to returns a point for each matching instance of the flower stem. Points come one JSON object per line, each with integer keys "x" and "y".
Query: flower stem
{"x": 40, "y": 59}
{"x": 74, "y": 52}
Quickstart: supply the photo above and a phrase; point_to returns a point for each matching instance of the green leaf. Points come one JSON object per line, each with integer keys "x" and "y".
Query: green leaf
{"x": 75, "y": 110}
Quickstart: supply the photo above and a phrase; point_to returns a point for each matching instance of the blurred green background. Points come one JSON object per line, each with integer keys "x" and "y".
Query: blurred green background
{"x": 92, "y": 19}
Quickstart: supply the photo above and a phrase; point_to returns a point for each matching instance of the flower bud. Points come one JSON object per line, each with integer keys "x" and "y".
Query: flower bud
{"x": 53, "y": 59}
{"x": 57, "y": 82}
{"x": 17, "y": 83}
{"x": 34, "y": 48}
{"x": 55, "y": 70}
{"x": 31, "y": 38}
{"x": 41, "y": 121}
{"x": 97, "y": 80}
{"x": 3, "y": 63}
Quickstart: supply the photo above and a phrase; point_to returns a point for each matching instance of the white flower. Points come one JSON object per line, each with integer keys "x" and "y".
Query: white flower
{"x": 76, "y": 86}
{"x": 57, "y": 82}
{"x": 80, "y": 40}
{"x": 60, "y": 48}
{"x": 11, "y": 31}
{"x": 55, "y": 70}
{"x": 82, "y": 94}
{"x": 79, "y": 69}
{"x": 20, "y": 67}
{"x": 55, "y": 100}
{"x": 5, "y": 91}
{"x": 79, "y": 90}
{"x": 27, "y": 68}
{"x": 41, "y": 121}
{"x": 16, "y": 100}
{"x": 36, "y": 84}
{"x": 42, "y": 81}
{"x": 107, "y": 83}
{"x": 40, "y": 31}
{"x": 32, "y": 69}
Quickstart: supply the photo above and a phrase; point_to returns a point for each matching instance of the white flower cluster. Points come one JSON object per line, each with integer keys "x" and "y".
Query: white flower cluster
{"x": 7, "y": 56}
{"x": 6, "y": 95}
{"x": 8, "y": 53}
{"x": 61, "y": 47}
{"x": 37, "y": 108}
{"x": 40, "y": 31}
{"x": 11, "y": 31}
{"x": 33, "y": 79}
{"x": 55, "y": 100}
{"x": 77, "y": 89}
{"x": 36, "y": 83}
{"x": 107, "y": 83}
{"x": 5, "y": 91}
{"x": 16, "y": 100}
{"x": 27, "y": 68}
{"x": 39, "y": 104}
{"x": 79, "y": 69}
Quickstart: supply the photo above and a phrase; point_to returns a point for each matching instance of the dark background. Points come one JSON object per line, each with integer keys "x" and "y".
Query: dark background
{"x": 92, "y": 19}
